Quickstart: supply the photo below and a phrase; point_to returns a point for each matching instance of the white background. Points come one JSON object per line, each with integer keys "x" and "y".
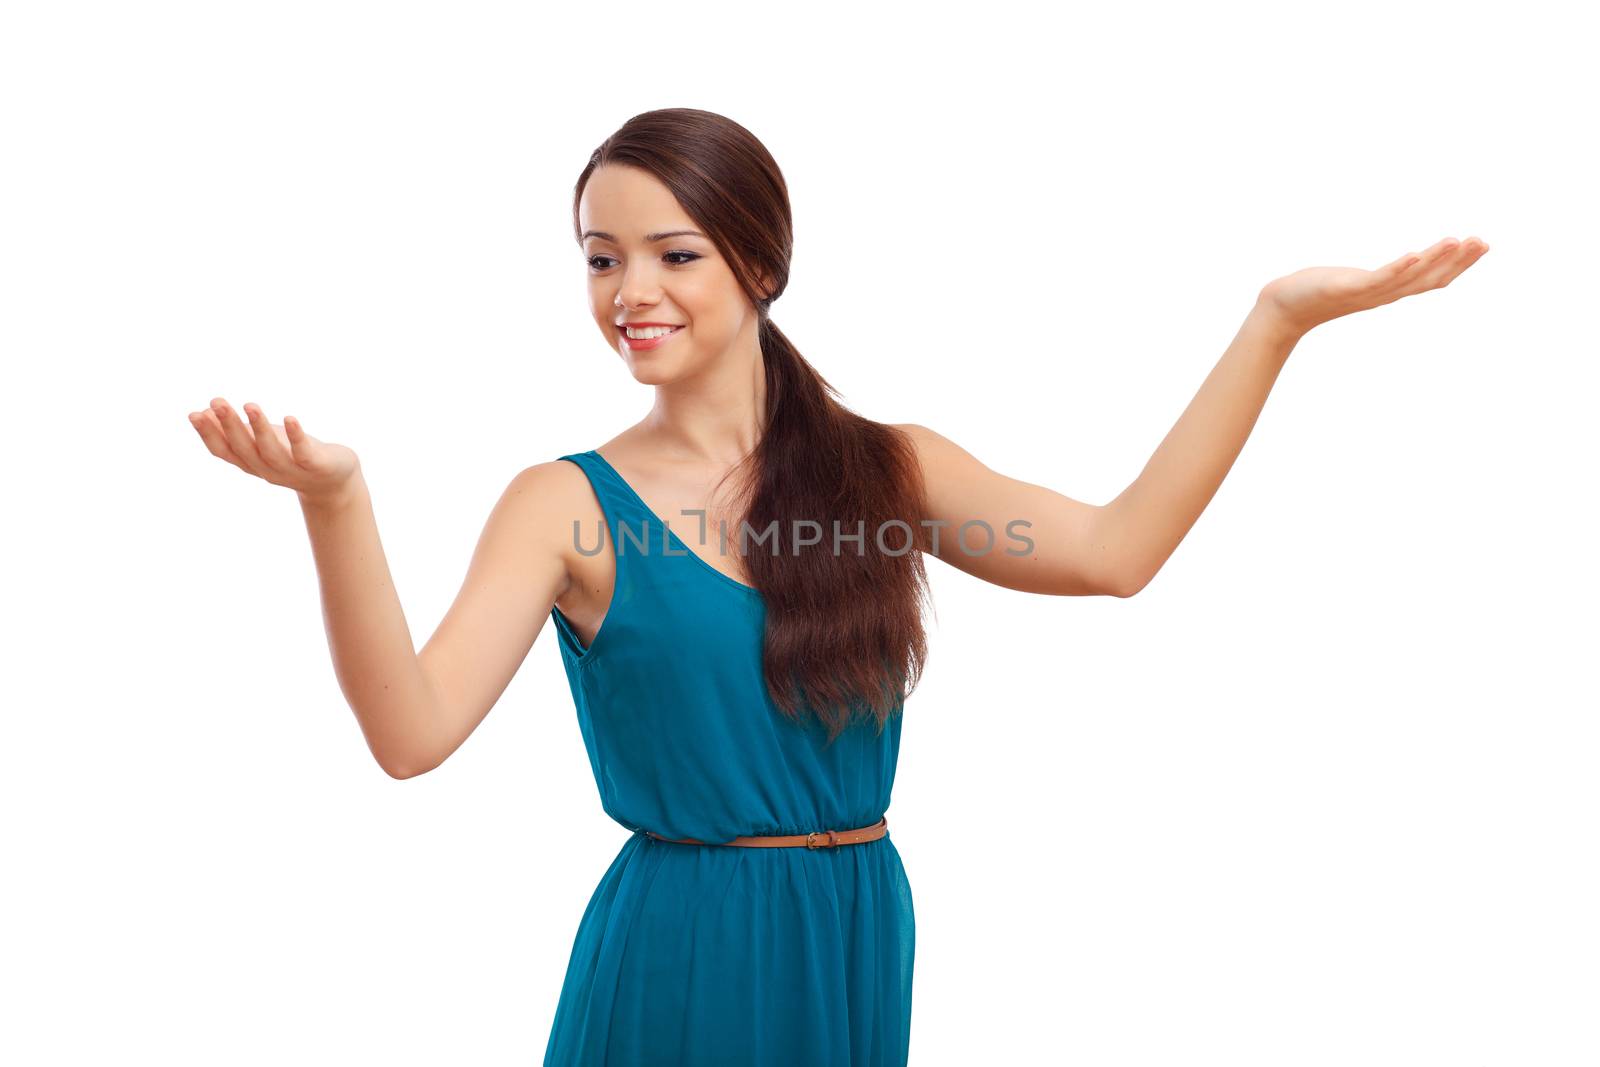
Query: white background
{"x": 1323, "y": 793}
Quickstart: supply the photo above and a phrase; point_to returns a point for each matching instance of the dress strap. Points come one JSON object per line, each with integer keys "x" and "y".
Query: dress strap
{"x": 639, "y": 533}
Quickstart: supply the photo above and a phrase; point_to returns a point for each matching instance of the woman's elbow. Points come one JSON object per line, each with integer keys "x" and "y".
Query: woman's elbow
{"x": 402, "y": 766}
{"x": 1126, "y": 583}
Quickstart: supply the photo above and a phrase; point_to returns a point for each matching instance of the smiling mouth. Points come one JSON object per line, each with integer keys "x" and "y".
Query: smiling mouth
{"x": 646, "y": 342}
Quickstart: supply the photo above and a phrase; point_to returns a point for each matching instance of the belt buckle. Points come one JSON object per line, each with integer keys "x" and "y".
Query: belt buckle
{"x": 832, "y": 835}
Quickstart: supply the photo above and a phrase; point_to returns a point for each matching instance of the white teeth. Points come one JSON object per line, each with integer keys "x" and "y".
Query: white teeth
{"x": 648, "y": 332}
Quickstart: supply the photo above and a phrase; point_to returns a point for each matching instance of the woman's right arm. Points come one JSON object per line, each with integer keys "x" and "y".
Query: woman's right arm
{"x": 414, "y": 708}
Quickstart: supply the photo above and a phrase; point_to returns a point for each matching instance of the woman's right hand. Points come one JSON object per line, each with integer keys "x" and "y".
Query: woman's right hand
{"x": 283, "y": 455}
{"x": 1315, "y": 295}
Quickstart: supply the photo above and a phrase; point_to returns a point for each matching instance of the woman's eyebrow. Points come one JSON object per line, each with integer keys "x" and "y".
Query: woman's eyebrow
{"x": 649, "y": 238}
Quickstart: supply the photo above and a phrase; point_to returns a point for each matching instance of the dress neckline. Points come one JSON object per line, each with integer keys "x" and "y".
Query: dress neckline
{"x": 634, "y": 493}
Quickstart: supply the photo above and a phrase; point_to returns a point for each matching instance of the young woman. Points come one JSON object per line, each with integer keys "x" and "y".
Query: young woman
{"x": 740, "y": 656}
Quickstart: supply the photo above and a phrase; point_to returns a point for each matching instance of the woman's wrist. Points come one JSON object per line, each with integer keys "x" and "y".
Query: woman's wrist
{"x": 335, "y": 498}
{"x": 1270, "y": 320}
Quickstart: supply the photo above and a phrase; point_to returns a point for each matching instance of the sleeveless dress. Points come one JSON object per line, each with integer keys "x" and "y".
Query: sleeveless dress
{"x": 712, "y": 954}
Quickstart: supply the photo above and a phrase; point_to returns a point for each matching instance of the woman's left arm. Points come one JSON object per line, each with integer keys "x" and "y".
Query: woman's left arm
{"x": 1115, "y": 549}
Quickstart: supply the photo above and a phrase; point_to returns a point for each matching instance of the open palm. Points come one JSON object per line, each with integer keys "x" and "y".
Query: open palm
{"x": 1315, "y": 295}
{"x": 283, "y": 455}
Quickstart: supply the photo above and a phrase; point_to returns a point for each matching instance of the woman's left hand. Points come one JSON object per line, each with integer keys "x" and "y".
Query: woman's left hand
{"x": 1315, "y": 295}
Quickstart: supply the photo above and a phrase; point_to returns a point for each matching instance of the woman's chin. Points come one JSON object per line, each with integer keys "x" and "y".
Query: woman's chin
{"x": 648, "y": 368}
{"x": 646, "y": 371}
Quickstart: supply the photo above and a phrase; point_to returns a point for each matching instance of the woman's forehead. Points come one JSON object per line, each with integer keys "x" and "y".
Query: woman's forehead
{"x": 617, "y": 199}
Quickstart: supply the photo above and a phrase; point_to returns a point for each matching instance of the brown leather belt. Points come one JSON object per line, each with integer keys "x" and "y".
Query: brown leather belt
{"x": 815, "y": 839}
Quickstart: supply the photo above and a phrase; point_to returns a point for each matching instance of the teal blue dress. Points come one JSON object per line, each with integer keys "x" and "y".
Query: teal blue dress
{"x": 709, "y": 954}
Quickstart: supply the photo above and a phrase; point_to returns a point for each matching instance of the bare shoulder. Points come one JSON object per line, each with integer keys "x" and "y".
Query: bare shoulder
{"x": 545, "y": 499}
{"x": 938, "y": 456}
{"x": 941, "y": 463}
{"x": 916, "y": 432}
{"x": 557, "y": 476}
{"x": 924, "y": 436}
{"x": 952, "y": 477}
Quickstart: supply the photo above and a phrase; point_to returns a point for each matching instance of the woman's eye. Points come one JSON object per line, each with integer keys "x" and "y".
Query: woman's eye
{"x": 600, "y": 262}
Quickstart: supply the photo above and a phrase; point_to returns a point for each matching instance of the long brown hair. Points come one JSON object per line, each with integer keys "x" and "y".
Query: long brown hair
{"x": 844, "y": 628}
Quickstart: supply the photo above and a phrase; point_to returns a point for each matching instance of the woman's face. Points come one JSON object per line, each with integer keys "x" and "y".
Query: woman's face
{"x": 646, "y": 263}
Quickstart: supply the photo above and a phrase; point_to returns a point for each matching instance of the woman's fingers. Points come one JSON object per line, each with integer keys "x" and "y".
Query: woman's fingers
{"x": 300, "y": 442}
{"x": 1401, "y": 265}
{"x": 1441, "y": 248}
{"x": 1434, "y": 267}
{"x": 1413, "y": 264}
{"x": 1316, "y": 295}
{"x": 238, "y": 437}
{"x": 283, "y": 455}
{"x": 1441, "y": 268}
{"x": 210, "y": 430}
{"x": 273, "y": 451}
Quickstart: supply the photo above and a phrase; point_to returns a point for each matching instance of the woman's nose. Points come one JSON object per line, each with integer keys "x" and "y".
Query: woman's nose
{"x": 639, "y": 289}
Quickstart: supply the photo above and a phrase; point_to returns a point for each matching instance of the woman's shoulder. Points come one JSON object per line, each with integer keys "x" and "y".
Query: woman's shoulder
{"x": 935, "y": 452}
{"x": 546, "y": 498}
